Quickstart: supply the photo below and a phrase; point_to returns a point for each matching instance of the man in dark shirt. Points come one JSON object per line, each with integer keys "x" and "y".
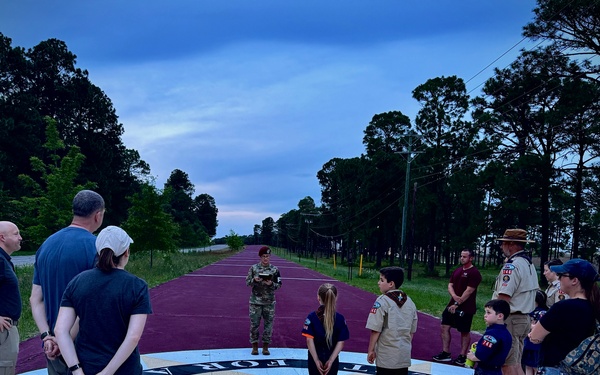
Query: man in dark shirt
{"x": 10, "y": 308}
{"x": 461, "y": 308}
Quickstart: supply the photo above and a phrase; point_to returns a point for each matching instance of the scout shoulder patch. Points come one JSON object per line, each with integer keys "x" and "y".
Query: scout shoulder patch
{"x": 508, "y": 268}
{"x": 306, "y": 324}
{"x": 376, "y": 305}
{"x": 489, "y": 341}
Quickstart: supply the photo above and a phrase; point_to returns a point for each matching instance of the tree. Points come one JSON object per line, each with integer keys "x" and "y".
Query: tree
{"x": 288, "y": 230}
{"x": 448, "y": 143}
{"x": 205, "y": 210}
{"x": 256, "y": 234}
{"x": 148, "y": 224}
{"x": 267, "y": 231}
{"x": 385, "y": 172}
{"x": 44, "y": 81}
{"x": 178, "y": 192}
{"x": 21, "y": 125}
{"x": 530, "y": 131}
{"x": 234, "y": 241}
{"x": 571, "y": 26}
{"x": 578, "y": 112}
{"x": 47, "y": 208}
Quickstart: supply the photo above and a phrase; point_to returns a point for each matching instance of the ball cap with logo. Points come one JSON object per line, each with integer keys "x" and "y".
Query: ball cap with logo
{"x": 264, "y": 250}
{"x": 515, "y": 235}
{"x": 579, "y": 268}
{"x": 113, "y": 238}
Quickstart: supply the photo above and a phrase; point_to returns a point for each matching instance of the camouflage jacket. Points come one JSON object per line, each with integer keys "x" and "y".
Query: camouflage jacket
{"x": 263, "y": 294}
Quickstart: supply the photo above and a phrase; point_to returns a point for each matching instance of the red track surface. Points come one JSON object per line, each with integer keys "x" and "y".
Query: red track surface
{"x": 208, "y": 309}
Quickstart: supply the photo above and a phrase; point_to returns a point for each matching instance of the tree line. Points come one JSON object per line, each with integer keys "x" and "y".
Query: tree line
{"x": 60, "y": 133}
{"x": 524, "y": 153}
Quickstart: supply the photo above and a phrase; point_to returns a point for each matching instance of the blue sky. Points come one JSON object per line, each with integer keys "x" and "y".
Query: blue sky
{"x": 251, "y": 98}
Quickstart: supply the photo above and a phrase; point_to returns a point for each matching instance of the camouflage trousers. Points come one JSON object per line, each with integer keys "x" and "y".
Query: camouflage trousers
{"x": 267, "y": 313}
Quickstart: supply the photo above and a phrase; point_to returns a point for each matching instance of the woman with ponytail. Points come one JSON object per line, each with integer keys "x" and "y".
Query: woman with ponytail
{"x": 105, "y": 310}
{"x": 325, "y": 331}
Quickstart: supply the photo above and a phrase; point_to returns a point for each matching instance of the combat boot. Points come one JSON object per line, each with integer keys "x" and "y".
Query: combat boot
{"x": 266, "y": 349}
{"x": 254, "y": 348}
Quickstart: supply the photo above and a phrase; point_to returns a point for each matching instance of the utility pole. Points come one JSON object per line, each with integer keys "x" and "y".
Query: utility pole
{"x": 410, "y": 156}
{"x": 308, "y": 220}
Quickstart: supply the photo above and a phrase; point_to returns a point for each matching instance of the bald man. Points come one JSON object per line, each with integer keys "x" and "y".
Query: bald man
{"x": 10, "y": 308}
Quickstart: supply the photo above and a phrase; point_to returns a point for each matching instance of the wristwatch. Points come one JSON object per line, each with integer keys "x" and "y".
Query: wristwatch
{"x": 75, "y": 367}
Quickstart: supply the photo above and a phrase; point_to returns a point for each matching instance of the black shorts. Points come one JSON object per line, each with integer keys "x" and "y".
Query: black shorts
{"x": 461, "y": 323}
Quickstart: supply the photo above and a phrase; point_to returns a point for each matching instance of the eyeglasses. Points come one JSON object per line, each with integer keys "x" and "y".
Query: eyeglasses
{"x": 564, "y": 274}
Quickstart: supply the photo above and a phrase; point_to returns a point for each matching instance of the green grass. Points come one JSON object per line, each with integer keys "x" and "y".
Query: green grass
{"x": 165, "y": 267}
{"x": 430, "y": 294}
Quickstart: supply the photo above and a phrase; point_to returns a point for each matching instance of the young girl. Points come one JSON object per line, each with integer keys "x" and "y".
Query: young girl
{"x": 531, "y": 351}
{"x": 325, "y": 331}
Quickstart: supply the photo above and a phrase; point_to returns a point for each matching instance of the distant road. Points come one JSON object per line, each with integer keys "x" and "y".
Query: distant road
{"x": 27, "y": 260}
{"x": 205, "y": 248}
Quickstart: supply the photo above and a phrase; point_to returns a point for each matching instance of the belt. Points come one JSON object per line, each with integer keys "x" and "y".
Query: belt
{"x": 13, "y": 322}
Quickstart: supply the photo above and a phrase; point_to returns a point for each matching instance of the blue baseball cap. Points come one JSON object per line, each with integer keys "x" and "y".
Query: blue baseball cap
{"x": 579, "y": 268}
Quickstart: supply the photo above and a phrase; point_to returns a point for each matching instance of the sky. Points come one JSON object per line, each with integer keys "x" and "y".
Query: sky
{"x": 252, "y": 98}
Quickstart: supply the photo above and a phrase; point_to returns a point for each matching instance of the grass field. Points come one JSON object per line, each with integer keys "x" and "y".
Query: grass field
{"x": 430, "y": 294}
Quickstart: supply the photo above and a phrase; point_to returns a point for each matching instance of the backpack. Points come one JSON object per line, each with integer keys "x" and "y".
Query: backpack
{"x": 584, "y": 359}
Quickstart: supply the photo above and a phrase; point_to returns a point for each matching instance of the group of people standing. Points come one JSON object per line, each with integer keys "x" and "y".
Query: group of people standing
{"x": 90, "y": 312}
{"x": 540, "y": 325}
{"x": 392, "y": 321}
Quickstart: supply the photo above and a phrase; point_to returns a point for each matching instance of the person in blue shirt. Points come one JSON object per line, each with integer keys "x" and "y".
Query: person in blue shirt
{"x": 325, "y": 331}
{"x": 63, "y": 255}
{"x": 531, "y": 351}
{"x": 493, "y": 347}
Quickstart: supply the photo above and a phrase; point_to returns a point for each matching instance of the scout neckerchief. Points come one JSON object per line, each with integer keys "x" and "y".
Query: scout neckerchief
{"x": 397, "y": 296}
{"x": 520, "y": 254}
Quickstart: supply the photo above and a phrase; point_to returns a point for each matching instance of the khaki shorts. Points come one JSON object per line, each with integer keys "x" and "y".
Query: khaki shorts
{"x": 519, "y": 326}
{"x": 9, "y": 349}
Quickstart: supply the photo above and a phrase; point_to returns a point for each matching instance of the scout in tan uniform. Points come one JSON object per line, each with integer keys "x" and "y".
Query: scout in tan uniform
{"x": 553, "y": 292}
{"x": 516, "y": 284}
{"x": 393, "y": 322}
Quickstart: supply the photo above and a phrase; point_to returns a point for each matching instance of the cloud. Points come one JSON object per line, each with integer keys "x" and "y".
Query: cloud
{"x": 252, "y": 98}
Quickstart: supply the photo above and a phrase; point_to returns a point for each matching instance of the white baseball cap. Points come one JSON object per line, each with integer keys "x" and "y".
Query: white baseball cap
{"x": 113, "y": 238}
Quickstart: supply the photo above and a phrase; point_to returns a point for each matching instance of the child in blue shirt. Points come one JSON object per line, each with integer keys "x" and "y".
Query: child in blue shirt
{"x": 492, "y": 349}
{"x": 531, "y": 351}
{"x": 325, "y": 331}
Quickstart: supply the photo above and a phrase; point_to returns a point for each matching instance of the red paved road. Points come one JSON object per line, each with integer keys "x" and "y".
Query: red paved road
{"x": 208, "y": 309}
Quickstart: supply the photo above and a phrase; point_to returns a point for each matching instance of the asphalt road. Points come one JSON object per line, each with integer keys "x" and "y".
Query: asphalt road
{"x": 28, "y": 260}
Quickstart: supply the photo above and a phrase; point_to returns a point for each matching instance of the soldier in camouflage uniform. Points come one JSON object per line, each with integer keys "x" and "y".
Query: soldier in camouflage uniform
{"x": 264, "y": 278}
